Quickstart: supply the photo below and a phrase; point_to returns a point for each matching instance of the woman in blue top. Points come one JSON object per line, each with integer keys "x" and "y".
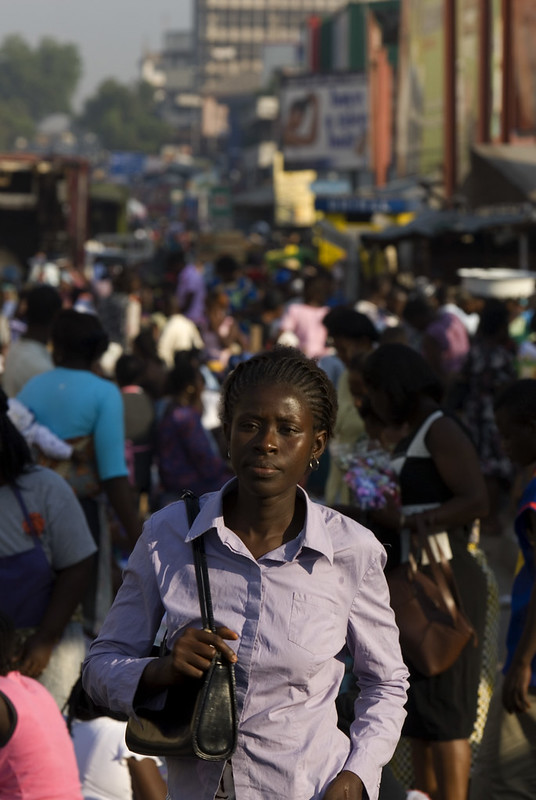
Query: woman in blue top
{"x": 74, "y": 402}
{"x": 86, "y": 410}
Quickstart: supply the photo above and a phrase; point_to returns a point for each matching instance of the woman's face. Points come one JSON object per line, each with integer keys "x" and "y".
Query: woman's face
{"x": 272, "y": 440}
{"x": 381, "y": 405}
{"x": 357, "y": 386}
{"x": 347, "y": 348}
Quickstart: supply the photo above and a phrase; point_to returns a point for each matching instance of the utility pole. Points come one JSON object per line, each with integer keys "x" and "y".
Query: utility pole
{"x": 451, "y": 156}
{"x": 484, "y": 73}
{"x": 507, "y": 114}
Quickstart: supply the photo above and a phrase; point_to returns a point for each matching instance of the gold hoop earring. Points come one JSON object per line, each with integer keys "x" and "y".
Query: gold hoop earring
{"x": 314, "y": 463}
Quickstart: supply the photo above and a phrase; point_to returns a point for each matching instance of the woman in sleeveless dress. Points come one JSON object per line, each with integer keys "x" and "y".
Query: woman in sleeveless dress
{"x": 440, "y": 483}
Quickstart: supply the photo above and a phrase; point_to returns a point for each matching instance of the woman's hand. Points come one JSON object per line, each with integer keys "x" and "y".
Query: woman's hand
{"x": 193, "y": 652}
{"x": 429, "y": 519}
{"x": 515, "y": 694}
{"x": 36, "y": 652}
{"x": 346, "y": 786}
{"x": 389, "y": 515}
{"x": 190, "y": 656}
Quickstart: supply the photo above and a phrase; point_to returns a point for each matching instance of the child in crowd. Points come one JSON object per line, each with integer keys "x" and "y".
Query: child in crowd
{"x": 36, "y": 755}
{"x": 222, "y": 336}
{"x": 139, "y": 415}
{"x": 107, "y": 767}
{"x": 187, "y": 457}
{"x": 506, "y": 767}
{"x": 37, "y": 435}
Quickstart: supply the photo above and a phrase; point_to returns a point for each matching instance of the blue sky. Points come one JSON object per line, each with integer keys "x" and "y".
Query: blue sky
{"x": 111, "y": 34}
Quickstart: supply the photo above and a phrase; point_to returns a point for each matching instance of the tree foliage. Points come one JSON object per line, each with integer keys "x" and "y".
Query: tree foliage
{"x": 123, "y": 117}
{"x": 41, "y": 80}
{"x": 14, "y": 121}
{"x": 34, "y": 82}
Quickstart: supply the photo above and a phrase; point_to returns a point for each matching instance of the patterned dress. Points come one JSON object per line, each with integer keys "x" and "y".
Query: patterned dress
{"x": 487, "y": 369}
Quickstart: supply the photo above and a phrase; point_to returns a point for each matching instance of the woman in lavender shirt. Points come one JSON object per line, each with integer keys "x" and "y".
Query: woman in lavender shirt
{"x": 295, "y": 586}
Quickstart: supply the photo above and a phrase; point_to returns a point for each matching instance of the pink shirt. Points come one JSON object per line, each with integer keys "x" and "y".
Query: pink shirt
{"x": 38, "y": 762}
{"x": 305, "y": 322}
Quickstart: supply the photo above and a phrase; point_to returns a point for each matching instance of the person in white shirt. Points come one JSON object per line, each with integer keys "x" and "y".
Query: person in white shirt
{"x": 179, "y": 333}
{"x": 108, "y": 769}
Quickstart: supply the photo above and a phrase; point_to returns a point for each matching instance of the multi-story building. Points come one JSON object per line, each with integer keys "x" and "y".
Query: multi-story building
{"x": 178, "y": 61}
{"x": 231, "y": 34}
{"x": 172, "y": 68}
{"x": 172, "y": 73}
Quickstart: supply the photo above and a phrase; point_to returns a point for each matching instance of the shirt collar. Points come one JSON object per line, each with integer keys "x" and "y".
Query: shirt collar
{"x": 314, "y": 537}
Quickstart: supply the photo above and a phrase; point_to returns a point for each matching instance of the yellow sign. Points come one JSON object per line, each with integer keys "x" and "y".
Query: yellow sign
{"x": 294, "y": 200}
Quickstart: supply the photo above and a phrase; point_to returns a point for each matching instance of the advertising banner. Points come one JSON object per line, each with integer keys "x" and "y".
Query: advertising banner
{"x": 325, "y": 121}
{"x": 220, "y": 205}
{"x": 125, "y": 165}
{"x": 420, "y": 109}
{"x": 467, "y": 12}
{"x": 523, "y": 36}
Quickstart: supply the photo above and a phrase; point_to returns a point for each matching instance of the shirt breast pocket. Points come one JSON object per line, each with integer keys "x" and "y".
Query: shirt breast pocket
{"x": 317, "y": 626}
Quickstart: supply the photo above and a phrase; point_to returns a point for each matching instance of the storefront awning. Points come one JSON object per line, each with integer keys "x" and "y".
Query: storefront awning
{"x": 431, "y": 224}
{"x": 261, "y": 197}
{"x": 501, "y": 173}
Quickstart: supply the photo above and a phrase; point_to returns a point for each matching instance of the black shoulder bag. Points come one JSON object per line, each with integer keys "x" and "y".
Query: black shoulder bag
{"x": 199, "y": 717}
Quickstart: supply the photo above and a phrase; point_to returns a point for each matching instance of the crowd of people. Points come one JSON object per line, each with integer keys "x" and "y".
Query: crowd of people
{"x": 320, "y": 434}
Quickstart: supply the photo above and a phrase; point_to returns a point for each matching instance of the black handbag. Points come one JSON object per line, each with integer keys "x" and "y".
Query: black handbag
{"x": 199, "y": 717}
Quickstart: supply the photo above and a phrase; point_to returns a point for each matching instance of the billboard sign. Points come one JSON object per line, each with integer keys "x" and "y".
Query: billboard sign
{"x": 293, "y": 197}
{"x": 220, "y": 207}
{"x": 125, "y": 165}
{"x": 524, "y": 30}
{"x": 420, "y": 93}
{"x": 325, "y": 121}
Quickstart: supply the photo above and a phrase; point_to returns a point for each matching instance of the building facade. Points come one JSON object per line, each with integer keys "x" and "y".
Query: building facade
{"x": 172, "y": 74}
{"x": 231, "y": 35}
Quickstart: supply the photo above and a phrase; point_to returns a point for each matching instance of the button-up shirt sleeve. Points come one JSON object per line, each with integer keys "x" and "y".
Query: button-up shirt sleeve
{"x": 382, "y": 678}
{"x": 113, "y": 667}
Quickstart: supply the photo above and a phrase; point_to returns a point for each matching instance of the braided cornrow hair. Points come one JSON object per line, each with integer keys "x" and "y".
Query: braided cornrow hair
{"x": 288, "y": 366}
{"x": 79, "y": 705}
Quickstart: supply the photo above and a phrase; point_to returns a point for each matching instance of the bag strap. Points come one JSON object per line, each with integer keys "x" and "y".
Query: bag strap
{"x": 200, "y": 561}
{"x": 201, "y": 572}
{"x": 441, "y": 571}
{"x": 203, "y": 585}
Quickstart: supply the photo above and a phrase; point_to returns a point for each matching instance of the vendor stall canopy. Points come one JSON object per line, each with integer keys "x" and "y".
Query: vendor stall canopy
{"x": 433, "y": 223}
{"x": 501, "y": 173}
